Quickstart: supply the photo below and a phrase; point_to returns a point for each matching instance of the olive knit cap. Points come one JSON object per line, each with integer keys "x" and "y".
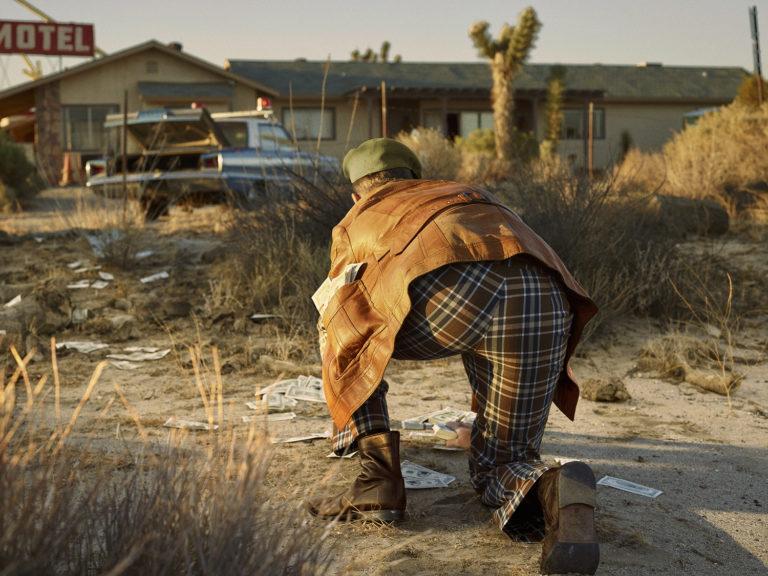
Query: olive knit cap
{"x": 379, "y": 154}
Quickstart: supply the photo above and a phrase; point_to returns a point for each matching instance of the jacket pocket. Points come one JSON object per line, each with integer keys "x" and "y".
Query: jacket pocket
{"x": 351, "y": 321}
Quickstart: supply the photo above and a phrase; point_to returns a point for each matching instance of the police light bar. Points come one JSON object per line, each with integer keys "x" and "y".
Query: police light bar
{"x": 263, "y": 103}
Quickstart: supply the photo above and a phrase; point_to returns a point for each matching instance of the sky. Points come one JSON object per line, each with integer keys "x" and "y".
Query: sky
{"x": 679, "y": 32}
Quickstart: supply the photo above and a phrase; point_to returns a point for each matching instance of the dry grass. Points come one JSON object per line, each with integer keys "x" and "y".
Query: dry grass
{"x": 67, "y": 507}
{"x": 723, "y": 151}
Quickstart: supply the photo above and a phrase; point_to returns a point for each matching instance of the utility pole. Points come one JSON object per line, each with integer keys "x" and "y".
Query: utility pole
{"x": 383, "y": 109}
{"x": 124, "y": 154}
{"x": 756, "y": 52}
{"x": 590, "y": 137}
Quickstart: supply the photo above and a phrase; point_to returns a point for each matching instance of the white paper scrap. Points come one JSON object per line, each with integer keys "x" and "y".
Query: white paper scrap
{"x": 79, "y": 285}
{"x": 174, "y": 422}
{"x": 13, "y": 301}
{"x": 418, "y": 477}
{"x": 307, "y": 388}
{"x": 99, "y": 284}
{"x": 75, "y": 264}
{"x": 106, "y": 276}
{"x": 260, "y": 317}
{"x": 346, "y": 456}
{"x": 143, "y": 254}
{"x": 155, "y": 277}
{"x": 140, "y": 356}
{"x": 307, "y": 438}
{"x": 628, "y": 486}
{"x": 125, "y": 365}
{"x": 81, "y": 346}
{"x": 141, "y": 349}
{"x": 279, "y": 417}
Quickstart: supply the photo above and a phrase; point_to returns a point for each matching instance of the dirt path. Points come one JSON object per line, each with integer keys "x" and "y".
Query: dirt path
{"x": 708, "y": 457}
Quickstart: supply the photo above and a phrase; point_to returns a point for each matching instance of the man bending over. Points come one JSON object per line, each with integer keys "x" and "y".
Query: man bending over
{"x": 448, "y": 270}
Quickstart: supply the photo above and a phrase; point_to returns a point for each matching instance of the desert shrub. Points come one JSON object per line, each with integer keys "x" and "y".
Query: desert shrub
{"x": 481, "y": 141}
{"x": 612, "y": 242}
{"x": 748, "y": 94}
{"x": 18, "y": 175}
{"x": 726, "y": 147}
{"x": 279, "y": 254}
{"x": 440, "y": 159}
{"x": 68, "y": 506}
{"x": 723, "y": 150}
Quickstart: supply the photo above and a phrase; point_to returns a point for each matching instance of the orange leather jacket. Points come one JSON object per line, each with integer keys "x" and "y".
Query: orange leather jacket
{"x": 401, "y": 231}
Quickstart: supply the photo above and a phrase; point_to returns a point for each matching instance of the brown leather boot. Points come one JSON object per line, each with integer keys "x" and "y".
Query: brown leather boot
{"x": 567, "y": 496}
{"x": 378, "y": 493}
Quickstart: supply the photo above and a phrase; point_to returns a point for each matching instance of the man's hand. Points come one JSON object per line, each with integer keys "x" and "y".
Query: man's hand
{"x": 463, "y": 431}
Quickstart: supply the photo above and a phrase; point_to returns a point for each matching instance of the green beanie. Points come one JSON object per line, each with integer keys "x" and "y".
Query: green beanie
{"x": 379, "y": 154}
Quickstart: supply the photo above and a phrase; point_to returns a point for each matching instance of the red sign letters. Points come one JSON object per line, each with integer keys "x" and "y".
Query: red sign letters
{"x": 49, "y": 38}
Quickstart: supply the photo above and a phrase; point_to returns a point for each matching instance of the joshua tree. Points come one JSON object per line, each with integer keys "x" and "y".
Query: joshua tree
{"x": 554, "y": 111}
{"x": 370, "y": 56}
{"x": 507, "y": 54}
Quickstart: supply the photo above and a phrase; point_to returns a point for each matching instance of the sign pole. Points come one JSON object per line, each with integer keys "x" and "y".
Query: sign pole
{"x": 756, "y": 52}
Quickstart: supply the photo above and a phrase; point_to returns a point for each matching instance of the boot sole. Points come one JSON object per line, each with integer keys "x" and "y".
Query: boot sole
{"x": 575, "y": 548}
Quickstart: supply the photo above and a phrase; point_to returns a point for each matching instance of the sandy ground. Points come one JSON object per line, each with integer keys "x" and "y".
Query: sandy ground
{"x": 706, "y": 454}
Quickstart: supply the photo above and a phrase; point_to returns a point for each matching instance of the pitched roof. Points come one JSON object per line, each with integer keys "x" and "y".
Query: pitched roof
{"x": 169, "y": 90}
{"x": 632, "y": 83}
{"x": 138, "y": 48}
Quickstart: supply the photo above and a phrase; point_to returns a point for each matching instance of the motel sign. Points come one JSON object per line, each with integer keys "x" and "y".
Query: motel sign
{"x": 47, "y": 38}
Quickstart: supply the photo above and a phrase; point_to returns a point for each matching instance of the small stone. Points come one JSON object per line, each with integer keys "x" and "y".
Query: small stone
{"x": 602, "y": 390}
{"x": 123, "y": 327}
{"x": 121, "y": 304}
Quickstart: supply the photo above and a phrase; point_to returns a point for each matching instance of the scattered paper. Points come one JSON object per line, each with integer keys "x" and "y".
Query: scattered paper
{"x": 273, "y": 403}
{"x": 143, "y": 254}
{"x": 13, "y": 301}
{"x": 124, "y": 365}
{"x": 174, "y": 422}
{"x": 140, "y": 356}
{"x": 141, "y": 349}
{"x": 443, "y": 416}
{"x": 419, "y": 477}
{"x": 448, "y": 448}
{"x": 87, "y": 269}
{"x": 280, "y": 417}
{"x": 307, "y": 438}
{"x": 84, "y": 347}
{"x": 330, "y": 286}
{"x": 279, "y": 387}
{"x": 307, "y": 388}
{"x": 443, "y": 432}
{"x": 38, "y": 239}
{"x": 260, "y": 317}
{"x": 628, "y": 486}
{"x": 79, "y": 285}
{"x": 345, "y": 457}
{"x": 155, "y": 277}
{"x": 75, "y": 264}
{"x": 79, "y": 315}
{"x": 106, "y": 276}
{"x": 99, "y": 284}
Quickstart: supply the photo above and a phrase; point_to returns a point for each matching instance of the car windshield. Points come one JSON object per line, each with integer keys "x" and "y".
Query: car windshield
{"x": 274, "y": 137}
{"x": 236, "y": 133}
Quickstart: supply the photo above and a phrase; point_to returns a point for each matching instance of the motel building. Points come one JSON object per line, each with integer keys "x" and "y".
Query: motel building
{"x": 60, "y": 116}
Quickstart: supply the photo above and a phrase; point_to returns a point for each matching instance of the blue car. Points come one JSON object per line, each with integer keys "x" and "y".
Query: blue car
{"x": 191, "y": 156}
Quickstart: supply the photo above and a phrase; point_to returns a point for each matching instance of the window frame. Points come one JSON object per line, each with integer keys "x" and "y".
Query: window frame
{"x": 66, "y": 143}
{"x": 287, "y": 111}
{"x": 601, "y": 135}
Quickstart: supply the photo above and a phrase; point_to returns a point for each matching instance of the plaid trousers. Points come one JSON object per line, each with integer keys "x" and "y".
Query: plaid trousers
{"x": 510, "y": 321}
